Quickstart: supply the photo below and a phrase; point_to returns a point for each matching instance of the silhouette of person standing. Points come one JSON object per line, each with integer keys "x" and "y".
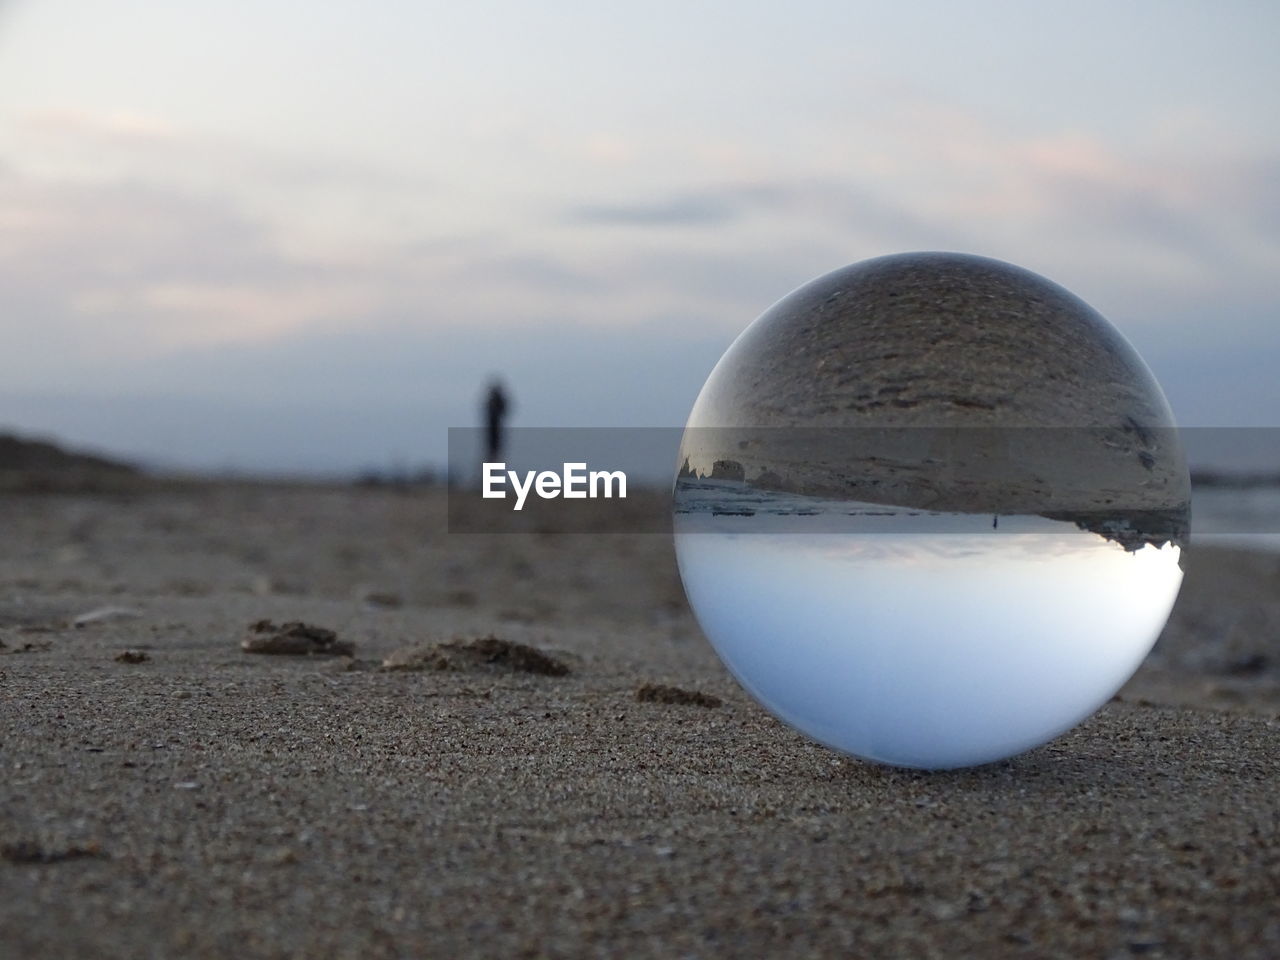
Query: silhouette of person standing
{"x": 496, "y": 405}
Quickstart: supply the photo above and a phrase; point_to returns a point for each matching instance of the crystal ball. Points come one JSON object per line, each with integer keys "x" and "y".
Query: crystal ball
{"x": 931, "y": 510}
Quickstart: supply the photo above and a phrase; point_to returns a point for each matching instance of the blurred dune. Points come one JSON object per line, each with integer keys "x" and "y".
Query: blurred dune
{"x": 43, "y": 466}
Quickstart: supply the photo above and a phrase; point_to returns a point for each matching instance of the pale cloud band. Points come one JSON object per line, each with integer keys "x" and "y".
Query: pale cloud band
{"x": 135, "y": 242}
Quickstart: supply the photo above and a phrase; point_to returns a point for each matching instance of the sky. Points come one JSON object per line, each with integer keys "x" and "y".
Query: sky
{"x": 274, "y": 236}
{"x": 947, "y": 683}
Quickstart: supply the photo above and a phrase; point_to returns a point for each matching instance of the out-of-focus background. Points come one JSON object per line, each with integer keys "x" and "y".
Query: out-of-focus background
{"x": 282, "y": 238}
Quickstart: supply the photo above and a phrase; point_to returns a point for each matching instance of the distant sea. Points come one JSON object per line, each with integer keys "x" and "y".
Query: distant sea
{"x": 1241, "y": 517}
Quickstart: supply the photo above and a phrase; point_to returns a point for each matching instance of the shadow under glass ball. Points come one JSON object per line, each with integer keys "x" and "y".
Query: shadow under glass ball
{"x": 931, "y": 510}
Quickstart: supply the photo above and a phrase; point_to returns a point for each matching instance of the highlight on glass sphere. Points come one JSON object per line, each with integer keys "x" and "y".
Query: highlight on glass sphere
{"x": 931, "y": 510}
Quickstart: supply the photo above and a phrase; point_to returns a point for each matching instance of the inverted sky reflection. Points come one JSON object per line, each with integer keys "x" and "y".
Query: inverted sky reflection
{"x": 930, "y": 651}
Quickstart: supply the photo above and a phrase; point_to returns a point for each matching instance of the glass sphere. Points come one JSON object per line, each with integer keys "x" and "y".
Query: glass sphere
{"x": 931, "y": 510}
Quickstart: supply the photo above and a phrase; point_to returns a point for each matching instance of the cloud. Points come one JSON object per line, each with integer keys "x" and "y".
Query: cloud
{"x": 191, "y": 296}
{"x": 535, "y": 273}
{"x": 104, "y": 284}
{"x": 691, "y": 210}
{"x": 326, "y": 197}
{"x": 160, "y": 150}
{"x": 118, "y": 125}
{"x": 107, "y": 271}
{"x": 720, "y": 204}
{"x": 1069, "y": 200}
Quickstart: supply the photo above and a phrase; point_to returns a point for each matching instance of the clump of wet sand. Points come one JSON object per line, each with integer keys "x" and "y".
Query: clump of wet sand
{"x": 294, "y": 638}
{"x": 482, "y": 653}
{"x": 661, "y": 693}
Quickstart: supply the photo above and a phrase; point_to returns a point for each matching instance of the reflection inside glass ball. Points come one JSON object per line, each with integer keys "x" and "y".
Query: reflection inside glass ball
{"x": 931, "y": 510}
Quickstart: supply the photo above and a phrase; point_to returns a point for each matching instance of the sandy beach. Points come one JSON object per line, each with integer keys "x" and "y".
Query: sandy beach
{"x": 167, "y": 794}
